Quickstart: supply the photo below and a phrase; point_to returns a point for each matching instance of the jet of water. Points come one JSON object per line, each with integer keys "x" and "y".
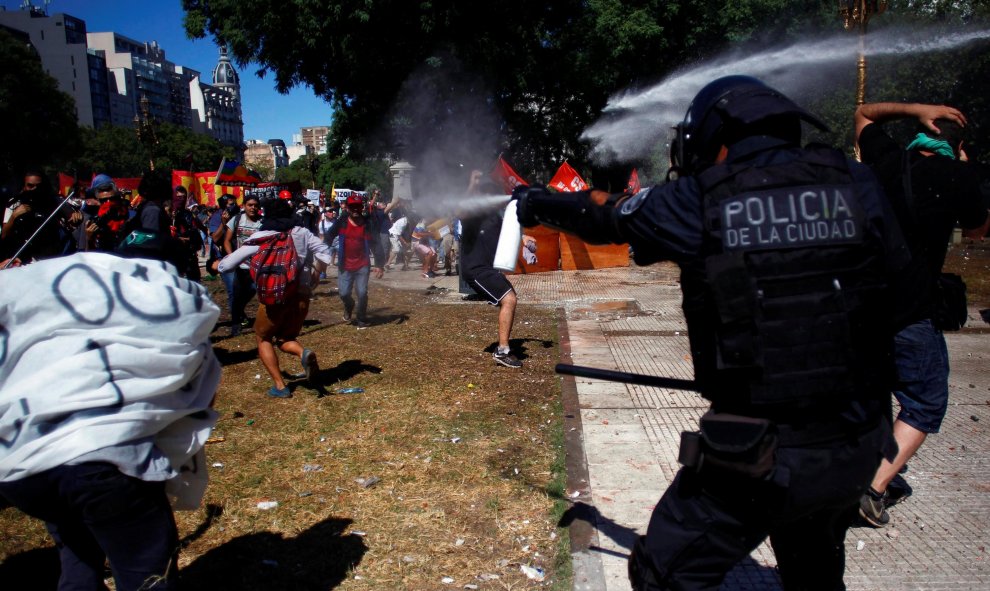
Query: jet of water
{"x": 459, "y": 205}
{"x": 633, "y": 122}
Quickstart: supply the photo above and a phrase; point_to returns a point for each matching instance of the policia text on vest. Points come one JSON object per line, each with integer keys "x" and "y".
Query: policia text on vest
{"x": 790, "y": 218}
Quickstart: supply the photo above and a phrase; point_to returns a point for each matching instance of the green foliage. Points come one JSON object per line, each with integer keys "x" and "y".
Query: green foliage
{"x": 113, "y": 150}
{"x": 957, "y": 77}
{"x": 118, "y": 152}
{"x": 466, "y": 81}
{"x": 39, "y": 120}
{"x": 471, "y": 79}
{"x": 353, "y": 174}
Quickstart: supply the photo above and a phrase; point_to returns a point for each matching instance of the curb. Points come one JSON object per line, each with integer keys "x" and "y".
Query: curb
{"x": 589, "y": 574}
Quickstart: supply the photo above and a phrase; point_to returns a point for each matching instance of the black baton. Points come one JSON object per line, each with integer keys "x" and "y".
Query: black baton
{"x": 627, "y": 378}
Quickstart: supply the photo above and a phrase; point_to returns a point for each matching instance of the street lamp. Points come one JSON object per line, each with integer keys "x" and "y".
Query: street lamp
{"x": 856, "y": 14}
{"x": 144, "y": 127}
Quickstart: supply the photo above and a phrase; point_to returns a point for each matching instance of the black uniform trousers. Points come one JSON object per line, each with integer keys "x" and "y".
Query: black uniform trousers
{"x": 709, "y": 521}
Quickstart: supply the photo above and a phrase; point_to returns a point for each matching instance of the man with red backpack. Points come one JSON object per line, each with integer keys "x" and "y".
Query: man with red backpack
{"x": 358, "y": 240}
{"x": 285, "y": 261}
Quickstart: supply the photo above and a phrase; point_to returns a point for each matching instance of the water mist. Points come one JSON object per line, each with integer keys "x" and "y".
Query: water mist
{"x": 633, "y": 122}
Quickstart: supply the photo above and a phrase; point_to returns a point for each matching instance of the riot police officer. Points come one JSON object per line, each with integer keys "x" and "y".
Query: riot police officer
{"x": 783, "y": 252}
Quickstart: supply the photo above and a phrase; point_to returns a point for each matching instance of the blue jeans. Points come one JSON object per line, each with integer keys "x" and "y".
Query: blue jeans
{"x": 94, "y": 512}
{"x": 358, "y": 282}
{"x": 922, "y": 376}
{"x": 240, "y": 290}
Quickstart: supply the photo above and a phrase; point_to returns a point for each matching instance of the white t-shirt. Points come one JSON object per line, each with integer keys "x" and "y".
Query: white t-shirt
{"x": 398, "y": 226}
{"x": 243, "y": 231}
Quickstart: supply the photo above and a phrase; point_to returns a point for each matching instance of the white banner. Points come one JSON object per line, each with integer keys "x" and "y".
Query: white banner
{"x": 98, "y": 350}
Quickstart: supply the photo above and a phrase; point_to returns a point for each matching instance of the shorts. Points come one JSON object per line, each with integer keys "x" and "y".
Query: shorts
{"x": 922, "y": 388}
{"x": 282, "y": 321}
{"x": 424, "y": 250}
{"x": 490, "y": 284}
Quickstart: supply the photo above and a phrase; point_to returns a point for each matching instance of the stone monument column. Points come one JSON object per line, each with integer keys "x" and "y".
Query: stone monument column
{"x": 401, "y": 173}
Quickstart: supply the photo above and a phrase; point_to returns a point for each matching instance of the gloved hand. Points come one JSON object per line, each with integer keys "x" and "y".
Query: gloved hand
{"x": 523, "y": 194}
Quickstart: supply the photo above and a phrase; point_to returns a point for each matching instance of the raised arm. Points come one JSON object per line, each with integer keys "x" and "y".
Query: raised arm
{"x": 925, "y": 114}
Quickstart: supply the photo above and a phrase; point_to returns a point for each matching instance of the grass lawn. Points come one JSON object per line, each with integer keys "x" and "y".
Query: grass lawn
{"x": 446, "y": 472}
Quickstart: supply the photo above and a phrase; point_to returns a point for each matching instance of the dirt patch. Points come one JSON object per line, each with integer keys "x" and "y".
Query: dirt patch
{"x": 446, "y": 467}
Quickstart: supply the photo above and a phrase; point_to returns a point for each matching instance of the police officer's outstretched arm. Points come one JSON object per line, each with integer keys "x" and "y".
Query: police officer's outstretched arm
{"x": 660, "y": 223}
{"x": 588, "y": 214}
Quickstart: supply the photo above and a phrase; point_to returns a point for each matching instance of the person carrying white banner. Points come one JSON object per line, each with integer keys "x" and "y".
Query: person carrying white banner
{"x": 99, "y": 452}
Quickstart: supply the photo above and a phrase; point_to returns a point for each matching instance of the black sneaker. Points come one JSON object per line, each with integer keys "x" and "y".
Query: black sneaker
{"x": 360, "y": 324}
{"x": 872, "y": 508}
{"x": 506, "y": 359}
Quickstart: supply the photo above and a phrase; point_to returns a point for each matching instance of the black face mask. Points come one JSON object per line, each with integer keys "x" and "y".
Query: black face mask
{"x": 90, "y": 209}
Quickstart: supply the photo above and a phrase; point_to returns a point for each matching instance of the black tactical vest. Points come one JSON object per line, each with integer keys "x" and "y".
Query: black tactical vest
{"x": 785, "y": 309}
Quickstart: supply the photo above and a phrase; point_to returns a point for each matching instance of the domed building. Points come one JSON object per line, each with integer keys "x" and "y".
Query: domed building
{"x": 217, "y": 107}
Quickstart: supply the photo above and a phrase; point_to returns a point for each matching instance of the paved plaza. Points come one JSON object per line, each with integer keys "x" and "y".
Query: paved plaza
{"x": 622, "y": 439}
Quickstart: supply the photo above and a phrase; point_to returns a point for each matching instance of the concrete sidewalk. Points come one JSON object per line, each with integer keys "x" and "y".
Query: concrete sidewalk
{"x": 623, "y": 440}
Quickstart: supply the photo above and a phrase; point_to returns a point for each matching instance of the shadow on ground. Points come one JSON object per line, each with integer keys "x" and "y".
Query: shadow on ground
{"x": 518, "y": 346}
{"x": 739, "y": 578}
{"x": 34, "y": 569}
{"x": 318, "y": 558}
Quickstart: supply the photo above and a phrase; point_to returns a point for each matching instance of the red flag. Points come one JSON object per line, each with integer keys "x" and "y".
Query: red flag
{"x": 128, "y": 184}
{"x": 207, "y": 193}
{"x": 504, "y": 174}
{"x": 632, "y": 187}
{"x": 567, "y": 179}
{"x": 65, "y": 184}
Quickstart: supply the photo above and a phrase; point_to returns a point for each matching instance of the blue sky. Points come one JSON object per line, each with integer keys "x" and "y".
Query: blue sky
{"x": 267, "y": 114}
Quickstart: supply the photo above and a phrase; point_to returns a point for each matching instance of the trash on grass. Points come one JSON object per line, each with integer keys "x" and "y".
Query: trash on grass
{"x": 312, "y": 468}
{"x": 218, "y": 464}
{"x": 447, "y": 580}
{"x": 349, "y": 390}
{"x": 534, "y": 573}
{"x": 368, "y": 482}
{"x": 266, "y": 505}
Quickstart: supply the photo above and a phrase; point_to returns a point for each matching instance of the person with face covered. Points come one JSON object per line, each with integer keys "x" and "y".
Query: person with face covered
{"x": 357, "y": 242}
{"x": 785, "y": 252}
{"x": 26, "y": 215}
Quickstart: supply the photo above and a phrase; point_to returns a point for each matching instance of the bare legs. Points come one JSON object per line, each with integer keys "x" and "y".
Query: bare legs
{"x": 269, "y": 358}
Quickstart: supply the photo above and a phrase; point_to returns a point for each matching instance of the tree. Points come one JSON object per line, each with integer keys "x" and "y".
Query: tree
{"x": 461, "y": 81}
{"x": 118, "y": 152}
{"x": 353, "y": 174}
{"x": 39, "y": 120}
{"x": 520, "y": 76}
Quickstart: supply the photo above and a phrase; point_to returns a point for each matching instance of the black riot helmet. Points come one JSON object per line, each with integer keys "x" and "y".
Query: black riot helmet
{"x": 721, "y": 110}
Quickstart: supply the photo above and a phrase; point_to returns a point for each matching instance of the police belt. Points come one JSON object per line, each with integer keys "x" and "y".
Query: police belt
{"x": 747, "y": 446}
